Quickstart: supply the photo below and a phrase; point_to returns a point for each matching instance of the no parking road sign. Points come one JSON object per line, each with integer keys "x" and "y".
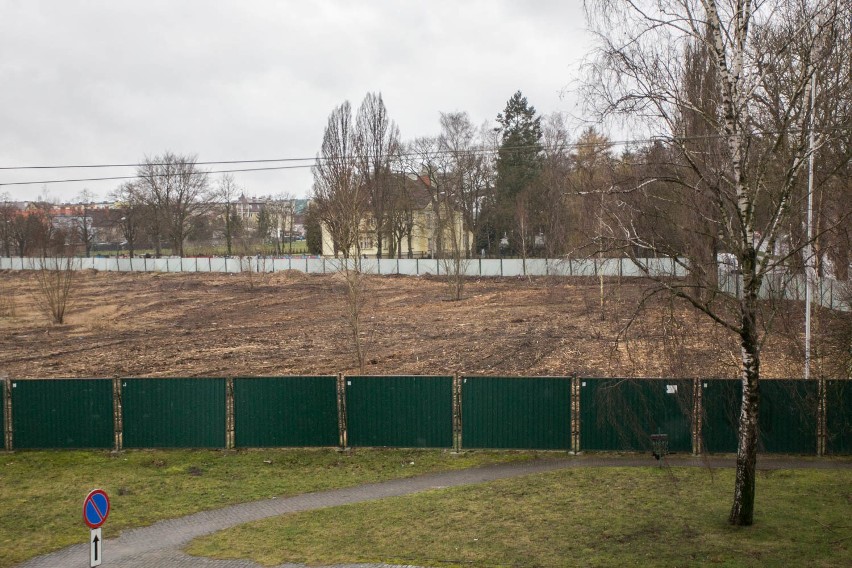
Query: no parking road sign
{"x": 95, "y": 508}
{"x": 95, "y": 513}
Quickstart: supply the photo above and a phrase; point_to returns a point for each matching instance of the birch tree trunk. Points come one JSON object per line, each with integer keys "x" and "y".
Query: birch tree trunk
{"x": 742, "y": 510}
{"x": 723, "y": 87}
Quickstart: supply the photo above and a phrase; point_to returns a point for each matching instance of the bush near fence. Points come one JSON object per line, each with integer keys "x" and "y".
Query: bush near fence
{"x": 460, "y": 412}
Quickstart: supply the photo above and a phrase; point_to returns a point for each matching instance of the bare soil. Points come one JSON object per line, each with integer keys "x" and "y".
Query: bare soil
{"x": 294, "y": 324}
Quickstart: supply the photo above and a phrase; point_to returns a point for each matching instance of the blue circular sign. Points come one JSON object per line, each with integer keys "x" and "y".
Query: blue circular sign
{"x": 96, "y": 508}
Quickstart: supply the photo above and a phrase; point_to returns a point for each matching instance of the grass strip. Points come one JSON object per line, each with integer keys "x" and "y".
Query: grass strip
{"x": 574, "y": 517}
{"x": 42, "y": 492}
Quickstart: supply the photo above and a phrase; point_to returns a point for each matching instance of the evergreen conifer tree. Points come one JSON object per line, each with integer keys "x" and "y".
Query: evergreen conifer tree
{"x": 519, "y": 164}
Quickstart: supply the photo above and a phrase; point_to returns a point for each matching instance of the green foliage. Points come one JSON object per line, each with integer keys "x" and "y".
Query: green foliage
{"x": 519, "y": 158}
{"x": 519, "y": 165}
{"x": 313, "y": 231}
{"x": 264, "y": 223}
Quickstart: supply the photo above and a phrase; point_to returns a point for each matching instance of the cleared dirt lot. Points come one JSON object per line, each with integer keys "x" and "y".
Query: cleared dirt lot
{"x": 292, "y": 323}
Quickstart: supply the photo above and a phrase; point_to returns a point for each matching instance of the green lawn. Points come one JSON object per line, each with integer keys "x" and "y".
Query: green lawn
{"x": 41, "y": 493}
{"x": 577, "y": 517}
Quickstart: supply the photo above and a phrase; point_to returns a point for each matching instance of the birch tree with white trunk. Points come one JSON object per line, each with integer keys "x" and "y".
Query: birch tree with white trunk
{"x": 748, "y": 160}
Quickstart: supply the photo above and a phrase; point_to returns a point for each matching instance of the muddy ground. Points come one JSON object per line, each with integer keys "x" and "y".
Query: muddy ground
{"x": 292, "y": 324}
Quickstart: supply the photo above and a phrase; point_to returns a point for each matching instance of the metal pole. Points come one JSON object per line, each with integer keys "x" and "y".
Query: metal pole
{"x": 809, "y": 256}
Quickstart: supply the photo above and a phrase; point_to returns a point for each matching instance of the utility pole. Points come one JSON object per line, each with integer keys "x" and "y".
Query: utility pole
{"x": 810, "y": 272}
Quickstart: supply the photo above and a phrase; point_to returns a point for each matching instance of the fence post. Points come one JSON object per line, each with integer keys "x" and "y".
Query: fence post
{"x": 457, "y": 417}
{"x": 117, "y": 415}
{"x": 6, "y": 385}
{"x": 697, "y": 416}
{"x": 821, "y": 417}
{"x": 575, "y": 414}
{"x": 229, "y": 413}
{"x": 341, "y": 410}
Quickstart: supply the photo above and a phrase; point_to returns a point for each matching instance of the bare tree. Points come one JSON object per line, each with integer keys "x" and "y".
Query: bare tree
{"x": 751, "y": 181}
{"x": 340, "y": 197}
{"x": 282, "y": 213}
{"x": 226, "y": 194}
{"x": 20, "y": 233}
{"x": 32, "y": 231}
{"x": 341, "y": 200}
{"x": 554, "y": 181}
{"x": 589, "y": 180}
{"x": 83, "y": 222}
{"x": 401, "y": 212}
{"x": 128, "y": 214}
{"x": 377, "y": 139}
{"x": 55, "y": 277}
{"x": 445, "y": 168}
{"x": 8, "y": 212}
{"x": 470, "y": 168}
{"x": 176, "y": 190}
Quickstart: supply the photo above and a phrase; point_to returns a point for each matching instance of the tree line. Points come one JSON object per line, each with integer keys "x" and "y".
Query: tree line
{"x": 170, "y": 203}
{"x": 745, "y": 115}
{"x": 524, "y": 187}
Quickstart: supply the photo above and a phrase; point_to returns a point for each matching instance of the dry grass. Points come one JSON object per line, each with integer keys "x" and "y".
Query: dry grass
{"x": 8, "y": 305}
{"x": 293, "y": 323}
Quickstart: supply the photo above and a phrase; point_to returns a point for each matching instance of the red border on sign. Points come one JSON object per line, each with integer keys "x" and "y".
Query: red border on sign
{"x": 104, "y": 514}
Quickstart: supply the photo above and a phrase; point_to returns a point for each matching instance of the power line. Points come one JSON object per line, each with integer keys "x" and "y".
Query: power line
{"x": 137, "y": 165}
{"x": 122, "y": 178}
{"x": 312, "y": 161}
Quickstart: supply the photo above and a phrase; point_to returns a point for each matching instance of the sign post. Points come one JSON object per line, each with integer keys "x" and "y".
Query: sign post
{"x": 95, "y": 512}
{"x": 95, "y": 547}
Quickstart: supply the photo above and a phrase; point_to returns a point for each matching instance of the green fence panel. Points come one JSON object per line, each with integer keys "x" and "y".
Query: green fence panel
{"x": 285, "y": 411}
{"x": 516, "y": 412}
{"x": 721, "y": 405}
{"x": 62, "y": 413}
{"x": 3, "y": 410}
{"x": 838, "y": 417}
{"x": 173, "y": 413}
{"x": 622, "y": 414}
{"x": 788, "y": 415}
{"x": 404, "y": 412}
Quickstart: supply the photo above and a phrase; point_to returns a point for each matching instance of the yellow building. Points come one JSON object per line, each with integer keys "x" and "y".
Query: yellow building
{"x": 420, "y": 227}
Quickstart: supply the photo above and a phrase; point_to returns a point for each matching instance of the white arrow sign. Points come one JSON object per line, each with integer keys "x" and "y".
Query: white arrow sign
{"x": 95, "y": 548}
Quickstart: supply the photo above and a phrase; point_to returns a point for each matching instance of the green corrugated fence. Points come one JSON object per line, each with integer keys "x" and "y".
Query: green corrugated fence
{"x": 788, "y": 416}
{"x": 838, "y": 417}
{"x": 721, "y": 405}
{"x": 516, "y": 413}
{"x": 622, "y": 414}
{"x": 173, "y": 413}
{"x": 787, "y": 421}
{"x": 6, "y": 431}
{"x": 406, "y": 412}
{"x": 421, "y": 411}
{"x": 62, "y": 413}
{"x": 285, "y": 411}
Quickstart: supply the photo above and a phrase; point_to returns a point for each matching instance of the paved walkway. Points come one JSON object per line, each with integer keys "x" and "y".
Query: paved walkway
{"x": 159, "y": 545}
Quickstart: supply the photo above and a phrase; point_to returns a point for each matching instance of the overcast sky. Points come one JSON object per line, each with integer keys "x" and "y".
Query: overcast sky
{"x": 105, "y": 82}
